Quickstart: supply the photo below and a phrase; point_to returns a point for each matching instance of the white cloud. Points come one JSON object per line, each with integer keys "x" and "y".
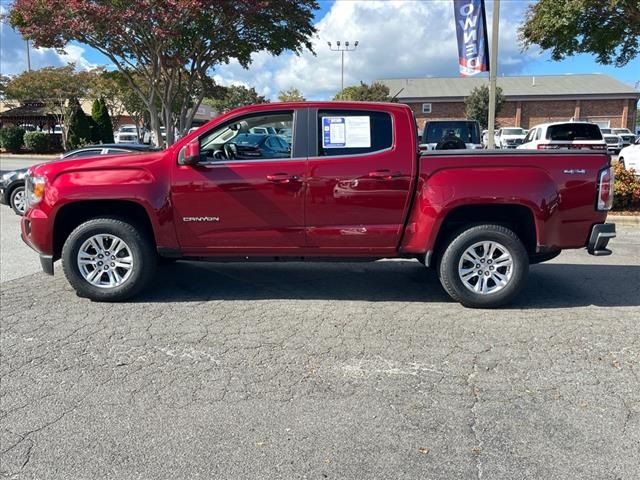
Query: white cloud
{"x": 13, "y": 53}
{"x": 398, "y": 39}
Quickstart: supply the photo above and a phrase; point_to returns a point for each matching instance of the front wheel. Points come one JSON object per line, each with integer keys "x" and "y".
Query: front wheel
{"x": 18, "y": 200}
{"x": 108, "y": 259}
{"x": 484, "y": 266}
{"x": 621, "y": 162}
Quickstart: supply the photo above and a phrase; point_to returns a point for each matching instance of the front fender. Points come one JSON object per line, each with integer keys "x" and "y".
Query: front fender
{"x": 133, "y": 184}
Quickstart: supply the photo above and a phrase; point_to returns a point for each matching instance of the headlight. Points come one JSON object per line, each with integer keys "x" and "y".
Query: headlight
{"x": 34, "y": 187}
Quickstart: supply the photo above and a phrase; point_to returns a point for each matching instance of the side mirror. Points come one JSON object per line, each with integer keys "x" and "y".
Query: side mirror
{"x": 190, "y": 153}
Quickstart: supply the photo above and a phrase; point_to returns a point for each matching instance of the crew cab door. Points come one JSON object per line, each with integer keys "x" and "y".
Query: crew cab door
{"x": 359, "y": 178}
{"x": 242, "y": 197}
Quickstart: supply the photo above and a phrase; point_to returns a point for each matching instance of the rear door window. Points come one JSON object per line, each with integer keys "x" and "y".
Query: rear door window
{"x": 574, "y": 131}
{"x": 353, "y": 132}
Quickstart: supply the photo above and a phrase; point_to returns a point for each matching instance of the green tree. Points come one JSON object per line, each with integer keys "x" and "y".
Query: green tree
{"x": 376, "y": 92}
{"x": 104, "y": 127}
{"x": 234, "y": 96}
{"x": 4, "y": 81}
{"x": 52, "y": 86}
{"x": 477, "y": 104}
{"x": 79, "y": 126}
{"x": 170, "y": 45}
{"x": 291, "y": 95}
{"x": 609, "y": 29}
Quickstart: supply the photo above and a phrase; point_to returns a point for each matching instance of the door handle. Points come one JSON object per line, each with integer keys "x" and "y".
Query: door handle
{"x": 281, "y": 178}
{"x": 382, "y": 174}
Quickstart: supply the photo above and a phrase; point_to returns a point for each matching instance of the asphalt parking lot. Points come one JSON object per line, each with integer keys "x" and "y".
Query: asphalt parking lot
{"x": 344, "y": 371}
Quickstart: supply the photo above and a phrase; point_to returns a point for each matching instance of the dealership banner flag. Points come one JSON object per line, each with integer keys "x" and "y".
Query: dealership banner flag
{"x": 471, "y": 30}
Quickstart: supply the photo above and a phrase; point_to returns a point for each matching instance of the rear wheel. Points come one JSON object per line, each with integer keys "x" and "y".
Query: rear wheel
{"x": 18, "y": 200}
{"x": 108, "y": 259}
{"x": 484, "y": 266}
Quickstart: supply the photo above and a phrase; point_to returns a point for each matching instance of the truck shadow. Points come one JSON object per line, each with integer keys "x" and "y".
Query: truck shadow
{"x": 549, "y": 285}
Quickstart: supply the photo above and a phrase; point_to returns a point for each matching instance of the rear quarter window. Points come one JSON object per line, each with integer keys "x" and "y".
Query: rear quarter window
{"x": 574, "y": 131}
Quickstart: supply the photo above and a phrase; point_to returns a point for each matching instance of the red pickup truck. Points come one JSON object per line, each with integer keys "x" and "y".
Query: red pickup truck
{"x": 317, "y": 181}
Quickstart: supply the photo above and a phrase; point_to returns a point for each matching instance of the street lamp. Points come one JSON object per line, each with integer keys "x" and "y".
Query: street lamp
{"x": 342, "y": 48}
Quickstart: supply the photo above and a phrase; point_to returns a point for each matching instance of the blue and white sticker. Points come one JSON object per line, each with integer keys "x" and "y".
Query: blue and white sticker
{"x": 346, "y": 132}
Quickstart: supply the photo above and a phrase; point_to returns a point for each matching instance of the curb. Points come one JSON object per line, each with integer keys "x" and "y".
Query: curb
{"x": 28, "y": 156}
{"x": 624, "y": 219}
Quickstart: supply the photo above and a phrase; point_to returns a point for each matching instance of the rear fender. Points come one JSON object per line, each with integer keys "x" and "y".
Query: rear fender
{"x": 445, "y": 190}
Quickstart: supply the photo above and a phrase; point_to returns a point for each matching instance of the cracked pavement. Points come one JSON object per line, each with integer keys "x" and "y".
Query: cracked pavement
{"x": 344, "y": 371}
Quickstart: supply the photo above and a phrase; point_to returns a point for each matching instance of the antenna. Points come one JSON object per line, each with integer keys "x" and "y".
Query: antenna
{"x": 397, "y": 93}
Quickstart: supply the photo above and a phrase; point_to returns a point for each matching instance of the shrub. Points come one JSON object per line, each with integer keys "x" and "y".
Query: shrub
{"x": 12, "y": 139}
{"x": 79, "y": 129}
{"x": 100, "y": 114}
{"x": 37, "y": 142}
{"x": 626, "y": 189}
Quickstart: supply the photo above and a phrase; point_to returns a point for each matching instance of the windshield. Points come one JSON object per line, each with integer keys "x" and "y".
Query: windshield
{"x": 128, "y": 130}
{"x": 512, "y": 131}
{"x": 621, "y": 130}
{"x": 467, "y": 131}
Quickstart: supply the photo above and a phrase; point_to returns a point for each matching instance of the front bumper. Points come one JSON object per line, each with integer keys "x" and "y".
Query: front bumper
{"x": 3, "y": 200}
{"x": 599, "y": 238}
{"x": 36, "y": 240}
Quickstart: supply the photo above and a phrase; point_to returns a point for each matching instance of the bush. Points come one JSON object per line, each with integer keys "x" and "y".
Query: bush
{"x": 626, "y": 189}
{"x": 37, "y": 142}
{"x": 12, "y": 139}
{"x": 79, "y": 129}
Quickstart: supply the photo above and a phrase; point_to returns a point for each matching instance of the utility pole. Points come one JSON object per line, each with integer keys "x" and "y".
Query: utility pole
{"x": 28, "y": 57}
{"x": 342, "y": 48}
{"x": 493, "y": 71}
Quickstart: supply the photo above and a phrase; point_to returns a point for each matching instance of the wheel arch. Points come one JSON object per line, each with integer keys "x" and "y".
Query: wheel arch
{"x": 71, "y": 215}
{"x": 517, "y": 217}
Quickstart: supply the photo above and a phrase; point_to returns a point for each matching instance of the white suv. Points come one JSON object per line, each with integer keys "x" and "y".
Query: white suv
{"x": 127, "y": 134}
{"x": 509, "y": 137}
{"x": 571, "y": 135}
{"x": 629, "y": 157}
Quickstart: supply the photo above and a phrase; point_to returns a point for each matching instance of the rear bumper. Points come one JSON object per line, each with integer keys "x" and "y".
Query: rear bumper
{"x": 599, "y": 238}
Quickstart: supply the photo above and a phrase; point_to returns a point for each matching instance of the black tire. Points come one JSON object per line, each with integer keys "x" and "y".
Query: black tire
{"x": 621, "y": 162}
{"x": 450, "y": 261}
{"x": 142, "y": 251}
{"x": 14, "y": 196}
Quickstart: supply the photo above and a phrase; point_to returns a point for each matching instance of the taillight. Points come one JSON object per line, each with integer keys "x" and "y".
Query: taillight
{"x": 548, "y": 147}
{"x": 605, "y": 189}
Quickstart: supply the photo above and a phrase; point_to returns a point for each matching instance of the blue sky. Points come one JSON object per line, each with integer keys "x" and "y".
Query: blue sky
{"x": 398, "y": 39}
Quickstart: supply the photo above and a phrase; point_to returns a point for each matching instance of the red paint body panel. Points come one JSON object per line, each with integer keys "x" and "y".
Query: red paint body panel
{"x": 563, "y": 205}
{"x": 385, "y": 204}
{"x": 360, "y": 202}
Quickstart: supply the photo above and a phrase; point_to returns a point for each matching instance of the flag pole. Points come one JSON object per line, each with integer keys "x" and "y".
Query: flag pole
{"x": 493, "y": 70}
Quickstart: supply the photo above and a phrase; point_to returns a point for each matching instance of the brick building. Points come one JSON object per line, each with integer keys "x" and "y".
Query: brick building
{"x": 529, "y": 101}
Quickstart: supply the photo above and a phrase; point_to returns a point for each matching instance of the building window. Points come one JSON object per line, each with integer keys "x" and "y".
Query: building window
{"x": 426, "y": 108}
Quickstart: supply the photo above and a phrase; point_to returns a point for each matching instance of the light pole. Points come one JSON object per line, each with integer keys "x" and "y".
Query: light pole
{"x": 28, "y": 57}
{"x": 345, "y": 47}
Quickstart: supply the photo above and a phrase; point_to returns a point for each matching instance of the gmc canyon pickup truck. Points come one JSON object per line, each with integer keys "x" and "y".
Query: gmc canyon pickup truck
{"x": 348, "y": 183}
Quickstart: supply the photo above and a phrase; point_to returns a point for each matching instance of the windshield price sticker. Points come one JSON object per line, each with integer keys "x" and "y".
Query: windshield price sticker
{"x": 346, "y": 132}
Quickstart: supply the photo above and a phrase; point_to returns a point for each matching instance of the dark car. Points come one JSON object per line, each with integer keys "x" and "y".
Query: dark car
{"x": 252, "y": 145}
{"x": 448, "y": 134}
{"x": 12, "y": 183}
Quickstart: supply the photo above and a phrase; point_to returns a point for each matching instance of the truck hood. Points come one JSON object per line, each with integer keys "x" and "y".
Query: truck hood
{"x": 99, "y": 162}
